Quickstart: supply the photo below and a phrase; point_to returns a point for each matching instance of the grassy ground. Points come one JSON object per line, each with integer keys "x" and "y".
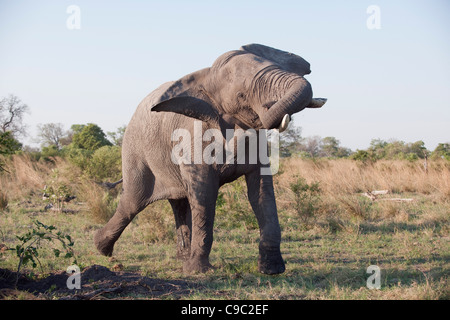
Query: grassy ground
{"x": 331, "y": 234}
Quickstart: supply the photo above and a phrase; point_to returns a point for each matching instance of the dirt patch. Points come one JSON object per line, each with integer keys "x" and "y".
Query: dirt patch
{"x": 97, "y": 282}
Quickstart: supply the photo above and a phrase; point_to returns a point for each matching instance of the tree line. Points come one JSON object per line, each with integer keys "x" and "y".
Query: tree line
{"x": 293, "y": 144}
{"x": 87, "y": 146}
{"x": 83, "y": 143}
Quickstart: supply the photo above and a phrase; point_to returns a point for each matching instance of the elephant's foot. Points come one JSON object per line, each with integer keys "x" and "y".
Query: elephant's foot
{"x": 271, "y": 262}
{"x": 103, "y": 245}
{"x": 196, "y": 265}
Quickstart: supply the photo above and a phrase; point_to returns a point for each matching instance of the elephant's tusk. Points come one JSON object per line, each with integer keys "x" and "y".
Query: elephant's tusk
{"x": 284, "y": 123}
{"x": 317, "y": 103}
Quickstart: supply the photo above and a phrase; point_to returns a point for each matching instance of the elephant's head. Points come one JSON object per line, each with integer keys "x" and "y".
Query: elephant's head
{"x": 254, "y": 87}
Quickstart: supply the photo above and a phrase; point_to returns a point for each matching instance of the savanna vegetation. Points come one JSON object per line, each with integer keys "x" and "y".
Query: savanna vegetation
{"x": 334, "y": 226}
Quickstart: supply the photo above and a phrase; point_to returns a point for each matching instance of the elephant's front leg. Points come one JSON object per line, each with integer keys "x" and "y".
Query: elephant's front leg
{"x": 262, "y": 199}
{"x": 202, "y": 199}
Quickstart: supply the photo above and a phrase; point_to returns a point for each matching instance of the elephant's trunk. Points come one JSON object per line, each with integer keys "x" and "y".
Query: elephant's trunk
{"x": 297, "y": 97}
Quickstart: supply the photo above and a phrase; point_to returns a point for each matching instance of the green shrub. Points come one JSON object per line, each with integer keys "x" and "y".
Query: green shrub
{"x": 306, "y": 198}
{"x": 8, "y": 144}
{"x": 50, "y": 152}
{"x": 411, "y": 157}
{"x": 362, "y": 155}
{"x": 31, "y": 242}
{"x": 106, "y": 163}
{"x": 79, "y": 157}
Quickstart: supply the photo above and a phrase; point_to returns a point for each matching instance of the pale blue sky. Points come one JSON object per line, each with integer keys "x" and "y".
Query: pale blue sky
{"x": 388, "y": 83}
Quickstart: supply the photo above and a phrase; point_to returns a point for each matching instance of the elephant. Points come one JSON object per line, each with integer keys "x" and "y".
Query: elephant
{"x": 254, "y": 88}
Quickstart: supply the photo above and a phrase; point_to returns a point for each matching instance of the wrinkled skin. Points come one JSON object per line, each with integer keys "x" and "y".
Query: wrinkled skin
{"x": 253, "y": 87}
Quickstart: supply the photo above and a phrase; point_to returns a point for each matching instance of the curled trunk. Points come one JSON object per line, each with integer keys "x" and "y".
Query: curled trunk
{"x": 296, "y": 98}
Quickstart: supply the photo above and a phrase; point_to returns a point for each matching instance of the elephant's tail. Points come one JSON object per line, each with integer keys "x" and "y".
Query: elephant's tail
{"x": 110, "y": 185}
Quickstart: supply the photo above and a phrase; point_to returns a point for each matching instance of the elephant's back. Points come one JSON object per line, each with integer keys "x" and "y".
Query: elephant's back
{"x": 155, "y": 96}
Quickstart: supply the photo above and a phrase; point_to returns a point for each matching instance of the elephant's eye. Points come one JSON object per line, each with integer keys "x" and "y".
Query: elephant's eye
{"x": 241, "y": 95}
{"x": 268, "y": 104}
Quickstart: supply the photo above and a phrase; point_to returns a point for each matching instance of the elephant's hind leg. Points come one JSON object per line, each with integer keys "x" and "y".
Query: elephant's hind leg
{"x": 183, "y": 221}
{"x": 138, "y": 189}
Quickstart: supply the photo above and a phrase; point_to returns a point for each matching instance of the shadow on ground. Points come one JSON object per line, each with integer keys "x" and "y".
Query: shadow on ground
{"x": 97, "y": 282}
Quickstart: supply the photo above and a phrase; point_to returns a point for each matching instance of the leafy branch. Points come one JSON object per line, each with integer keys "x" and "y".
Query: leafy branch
{"x": 27, "y": 251}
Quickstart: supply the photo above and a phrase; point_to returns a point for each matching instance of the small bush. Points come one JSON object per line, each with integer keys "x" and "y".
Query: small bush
{"x": 363, "y": 156}
{"x": 306, "y": 198}
{"x": 78, "y": 157}
{"x": 356, "y": 206}
{"x": 411, "y": 157}
{"x": 50, "y": 152}
{"x": 106, "y": 164}
{"x": 31, "y": 243}
{"x": 56, "y": 192}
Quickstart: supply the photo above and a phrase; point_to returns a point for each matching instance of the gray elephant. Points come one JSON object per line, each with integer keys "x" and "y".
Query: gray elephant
{"x": 253, "y": 88}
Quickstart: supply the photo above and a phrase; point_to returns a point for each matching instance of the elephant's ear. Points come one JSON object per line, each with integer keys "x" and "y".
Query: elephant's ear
{"x": 188, "y": 106}
{"x": 286, "y": 60}
{"x": 180, "y": 97}
{"x": 198, "y": 109}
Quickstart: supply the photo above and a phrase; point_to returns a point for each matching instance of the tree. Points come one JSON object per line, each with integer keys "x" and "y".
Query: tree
{"x": 377, "y": 149}
{"x": 330, "y": 146}
{"x": 343, "y": 152}
{"x": 89, "y": 137}
{"x": 417, "y": 148}
{"x": 442, "y": 151}
{"x": 12, "y": 111}
{"x": 117, "y": 136}
{"x": 290, "y": 140}
{"x": 52, "y": 134}
{"x": 8, "y": 144}
{"x": 395, "y": 149}
{"x": 312, "y": 146}
{"x": 76, "y": 128}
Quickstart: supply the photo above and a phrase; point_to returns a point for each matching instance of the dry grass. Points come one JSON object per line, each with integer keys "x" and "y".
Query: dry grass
{"x": 339, "y": 177}
{"x": 100, "y": 204}
{"x": 343, "y": 181}
{"x": 23, "y": 176}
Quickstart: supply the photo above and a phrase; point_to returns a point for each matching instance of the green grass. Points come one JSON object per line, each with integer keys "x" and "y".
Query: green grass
{"x": 320, "y": 263}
